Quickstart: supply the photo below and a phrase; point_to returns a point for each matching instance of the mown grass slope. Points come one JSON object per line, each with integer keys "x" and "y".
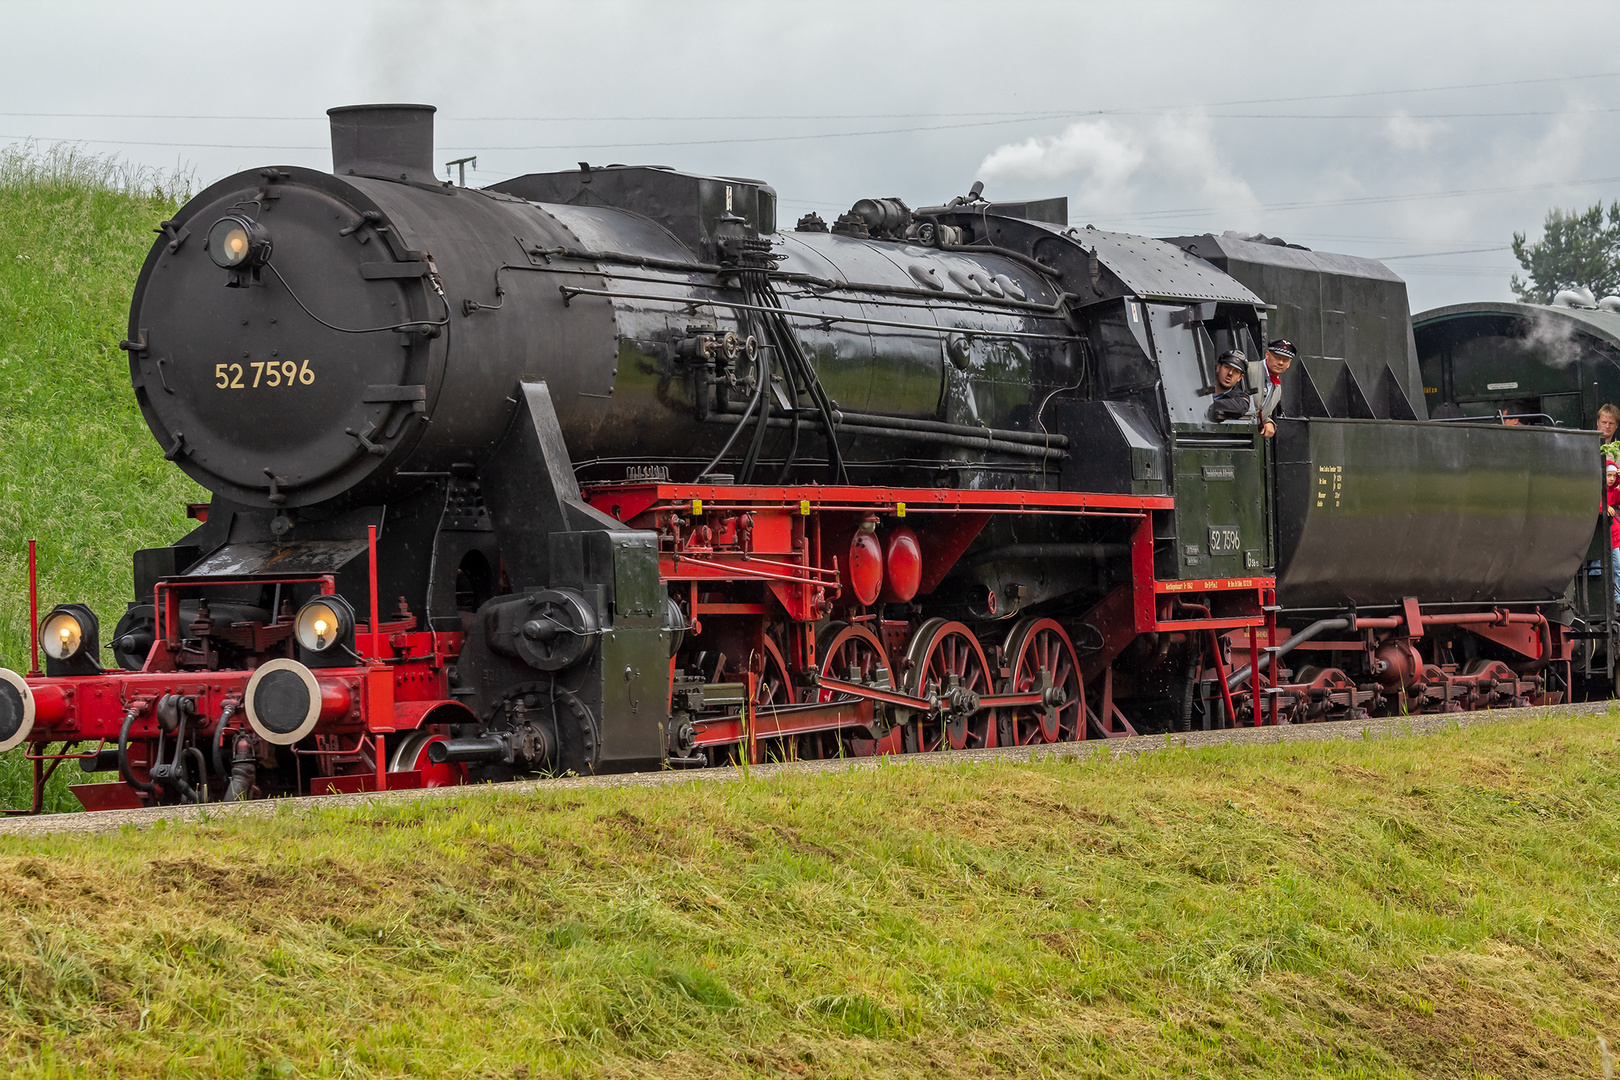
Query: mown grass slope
{"x": 79, "y": 471}
{"x": 1439, "y": 906}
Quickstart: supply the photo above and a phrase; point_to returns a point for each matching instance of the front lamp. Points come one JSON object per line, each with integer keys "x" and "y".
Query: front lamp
{"x": 236, "y": 242}
{"x": 323, "y": 624}
{"x": 71, "y": 637}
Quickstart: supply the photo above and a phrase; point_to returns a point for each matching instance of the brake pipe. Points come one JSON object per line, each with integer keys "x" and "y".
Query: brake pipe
{"x": 225, "y": 714}
{"x": 130, "y": 715}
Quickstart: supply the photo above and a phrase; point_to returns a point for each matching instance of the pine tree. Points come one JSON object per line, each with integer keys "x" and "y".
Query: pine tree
{"x": 1575, "y": 250}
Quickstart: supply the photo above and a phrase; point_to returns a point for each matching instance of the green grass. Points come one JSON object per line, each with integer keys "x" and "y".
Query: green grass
{"x": 1428, "y": 907}
{"x": 79, "y": 471}
{"x": 1440, "y": 906}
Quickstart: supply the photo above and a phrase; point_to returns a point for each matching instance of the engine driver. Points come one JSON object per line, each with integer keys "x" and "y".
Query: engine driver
{"x": 1608, "y": 419}
{"x": 1279, "y": 355}
{"x": 1231, "y": 397}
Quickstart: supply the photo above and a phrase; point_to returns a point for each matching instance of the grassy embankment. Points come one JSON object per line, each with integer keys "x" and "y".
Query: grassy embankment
{"x": 1444, "y": 906}
{"x": 1440, "y": 906}
{"x": 79, "y": 471}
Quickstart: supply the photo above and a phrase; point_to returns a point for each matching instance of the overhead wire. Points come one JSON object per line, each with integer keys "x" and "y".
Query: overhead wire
{"x": 816, "y": 136}
{"x": 980, "y": 119}
{"x": 882, "y": 116}
{"x": 1367, "y": 200}
{"x": 994, "y": 119}
{"x": 1437, "y": 254}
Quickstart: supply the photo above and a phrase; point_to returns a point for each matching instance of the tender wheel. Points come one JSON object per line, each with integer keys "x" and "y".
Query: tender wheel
{"x": 854, "y": 653}
{"x": 1042, "y": 658}
{"x": 947, "y": 663}
{"x": 411, "y": 755}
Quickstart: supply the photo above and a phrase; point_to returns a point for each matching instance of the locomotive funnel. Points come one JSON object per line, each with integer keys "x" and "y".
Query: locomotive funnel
{"x": 391, "y": 142}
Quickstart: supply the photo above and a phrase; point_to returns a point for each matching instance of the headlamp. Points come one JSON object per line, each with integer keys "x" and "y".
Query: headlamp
{"x": 323, "y": 624}
{"x": 63, "y": 635}
{"x": 236, "y": 242}
{"x": 71, "y": 637}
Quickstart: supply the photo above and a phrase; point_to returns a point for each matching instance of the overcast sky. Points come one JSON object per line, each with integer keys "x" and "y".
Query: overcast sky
{"x": 1422, "y": 133}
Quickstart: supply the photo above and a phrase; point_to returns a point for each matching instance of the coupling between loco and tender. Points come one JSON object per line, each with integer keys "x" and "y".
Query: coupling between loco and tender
{"x": 604, "y": 469}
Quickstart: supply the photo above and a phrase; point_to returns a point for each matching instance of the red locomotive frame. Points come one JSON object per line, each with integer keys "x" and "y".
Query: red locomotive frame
{"x": 767, "y": 565}
{"x": 779, "y": 539}
{"x": 782, "y": 539}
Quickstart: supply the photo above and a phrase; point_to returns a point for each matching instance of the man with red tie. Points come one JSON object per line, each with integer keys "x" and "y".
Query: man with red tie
{"x": 1279, "y": 355}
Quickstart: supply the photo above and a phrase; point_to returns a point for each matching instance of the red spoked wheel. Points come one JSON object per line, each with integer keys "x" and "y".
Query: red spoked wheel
{"x": 775, "y": 689}
{"x": 411, "y": 755}
{"x": 1041, "y": 657}
{"x": 855, "y": 654}
{"x": 775, "y": 684}
{"x": 946, "y": 662}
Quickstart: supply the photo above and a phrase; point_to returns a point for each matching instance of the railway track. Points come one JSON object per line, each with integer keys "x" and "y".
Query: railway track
{"x": 110, "y": 820}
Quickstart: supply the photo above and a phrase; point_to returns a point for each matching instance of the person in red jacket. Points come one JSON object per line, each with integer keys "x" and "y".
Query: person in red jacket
{"x": 1611, "y": 507}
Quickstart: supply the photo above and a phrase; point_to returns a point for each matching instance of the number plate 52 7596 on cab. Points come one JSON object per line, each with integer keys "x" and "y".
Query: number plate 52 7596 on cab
{"x": 1224, "y": 540}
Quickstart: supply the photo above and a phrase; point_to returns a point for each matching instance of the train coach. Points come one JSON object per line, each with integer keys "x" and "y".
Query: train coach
{"x": 609, "y": 469}
{"x": 1546, "y": 365}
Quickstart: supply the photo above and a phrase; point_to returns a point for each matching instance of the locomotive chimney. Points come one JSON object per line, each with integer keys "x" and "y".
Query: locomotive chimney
{"x": 392, "y": 142}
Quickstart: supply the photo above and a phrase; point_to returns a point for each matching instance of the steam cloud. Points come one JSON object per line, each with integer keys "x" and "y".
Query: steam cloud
{"x": 1556, "y": 337}
{"x": 1108, "y": 162}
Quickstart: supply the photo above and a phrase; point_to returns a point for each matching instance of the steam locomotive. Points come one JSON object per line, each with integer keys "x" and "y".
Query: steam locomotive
{"x": 607, "y": 470}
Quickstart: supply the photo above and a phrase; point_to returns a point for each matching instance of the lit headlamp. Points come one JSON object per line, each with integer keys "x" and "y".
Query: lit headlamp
{"x": 71, "y": 638}
{"x": 236, "y": 242}
{"x": 323, "y": 624}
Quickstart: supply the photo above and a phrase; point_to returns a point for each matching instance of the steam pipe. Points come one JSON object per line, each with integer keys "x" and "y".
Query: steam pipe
{"x": 1051, "y": 273}
{"x": 1390, "y": 622}
{"x": 745, "y": 474}
{"x": 753, "y": 403}
{"x": 977, "y": 434}
{"x": 906, "y": 423}
{"x": 938, "y": 300}
{"x": 569, "y": 292}
{"x": 1385, "y": 622}
{"x": 1499, "y": 618}
{"x": 987, "y": 442}
{"x": 1294, "y": 642}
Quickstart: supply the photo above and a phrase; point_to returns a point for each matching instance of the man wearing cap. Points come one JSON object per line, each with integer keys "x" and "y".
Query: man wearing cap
{"x": 1231, "y": 397}
{"x": 1279, "y": 355}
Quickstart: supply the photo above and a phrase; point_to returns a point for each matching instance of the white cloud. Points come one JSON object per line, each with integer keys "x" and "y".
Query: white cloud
{"x": 1185, "y": 147}
{"x": 1405, "y": 133}
{"x": 1558, "y": 154}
